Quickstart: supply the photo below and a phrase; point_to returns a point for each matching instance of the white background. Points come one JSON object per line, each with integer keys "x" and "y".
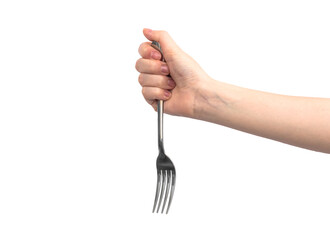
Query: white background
{"x": 78, "y": 143}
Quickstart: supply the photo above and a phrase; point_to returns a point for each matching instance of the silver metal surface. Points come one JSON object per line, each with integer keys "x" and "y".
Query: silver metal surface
{"x": 166, "y": 175}
{"x": 160, "y": 111}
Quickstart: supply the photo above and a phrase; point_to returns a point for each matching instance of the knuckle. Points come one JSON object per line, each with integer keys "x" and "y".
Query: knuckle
{"x": 142, "y": 49}
{"x": 163, "y": 32}
{"x": 137, "y": 65}
{"x": 141, "y": 46}
{"x": 140, "y": 79}
{"x": 143, "y": 91}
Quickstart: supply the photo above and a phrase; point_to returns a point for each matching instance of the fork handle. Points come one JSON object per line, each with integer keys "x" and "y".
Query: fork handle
{"x": 160, "y": 111}
{"x": 160, "y": 105}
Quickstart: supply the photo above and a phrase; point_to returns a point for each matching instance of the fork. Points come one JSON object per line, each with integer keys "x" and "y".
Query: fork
{"x": 166, "y": 175}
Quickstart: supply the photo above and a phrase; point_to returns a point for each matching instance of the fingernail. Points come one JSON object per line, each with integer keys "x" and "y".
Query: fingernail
{"x": 167, "y": 94}
{"x": 171, "y": 83}
{"x": 164, "y": 69}
{"x": 155, "y": 55}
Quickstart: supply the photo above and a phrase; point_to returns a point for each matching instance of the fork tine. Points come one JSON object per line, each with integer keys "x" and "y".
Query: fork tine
{"x": 162, "y": 192}
{"x": 172, "y": 190}
{"x": 157, "y": 190}
{"x": 167, "y": 189}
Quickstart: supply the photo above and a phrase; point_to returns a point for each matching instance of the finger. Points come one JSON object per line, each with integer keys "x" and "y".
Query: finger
{"x": 153, "y": 103}
{"x": 160, "y": 81}
{"x": 152, "y": 67}
{"x": 167, "y": 44}
{"x": 148, "y": 52}
{"x": 154, "y": 93}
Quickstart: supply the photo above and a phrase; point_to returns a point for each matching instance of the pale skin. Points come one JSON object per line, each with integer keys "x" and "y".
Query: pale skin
{"x": 300, "y": 121}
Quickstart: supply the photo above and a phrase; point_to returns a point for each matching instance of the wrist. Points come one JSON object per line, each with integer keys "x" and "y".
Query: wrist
{"x": 214, "y": 100}
{"x": 206, "y": 95}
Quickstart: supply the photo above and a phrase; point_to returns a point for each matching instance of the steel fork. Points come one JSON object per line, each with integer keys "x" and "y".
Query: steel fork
{"x": 166, "y": 175}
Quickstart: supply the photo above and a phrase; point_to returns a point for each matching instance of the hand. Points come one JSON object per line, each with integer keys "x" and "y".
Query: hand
{"x": 178, "y": 91}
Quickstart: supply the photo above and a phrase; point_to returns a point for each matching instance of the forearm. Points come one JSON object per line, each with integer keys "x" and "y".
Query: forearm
{"x": 299, "y": 121}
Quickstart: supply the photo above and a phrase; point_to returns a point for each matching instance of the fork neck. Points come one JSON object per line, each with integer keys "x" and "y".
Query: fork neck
{"x": 160, "y": 111}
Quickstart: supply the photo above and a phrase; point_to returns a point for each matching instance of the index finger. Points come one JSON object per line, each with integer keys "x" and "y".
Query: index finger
{"x": 148, "y": 52}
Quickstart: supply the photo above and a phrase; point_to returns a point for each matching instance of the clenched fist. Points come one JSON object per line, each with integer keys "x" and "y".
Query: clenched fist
{"x": 186, "y": 77}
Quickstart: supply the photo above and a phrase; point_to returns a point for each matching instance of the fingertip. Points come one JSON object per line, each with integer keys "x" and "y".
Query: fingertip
{"x": 171, "y": 83}
{"x": 164, "y": 69}
{"x": 156, "y": 55}
{"x": 161, "y": 36}
{"x": 167, "y": 94}
{"x": 147, "y": 33}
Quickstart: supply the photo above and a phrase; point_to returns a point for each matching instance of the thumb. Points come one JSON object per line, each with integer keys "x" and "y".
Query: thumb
{"x": 169, "y": 47}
